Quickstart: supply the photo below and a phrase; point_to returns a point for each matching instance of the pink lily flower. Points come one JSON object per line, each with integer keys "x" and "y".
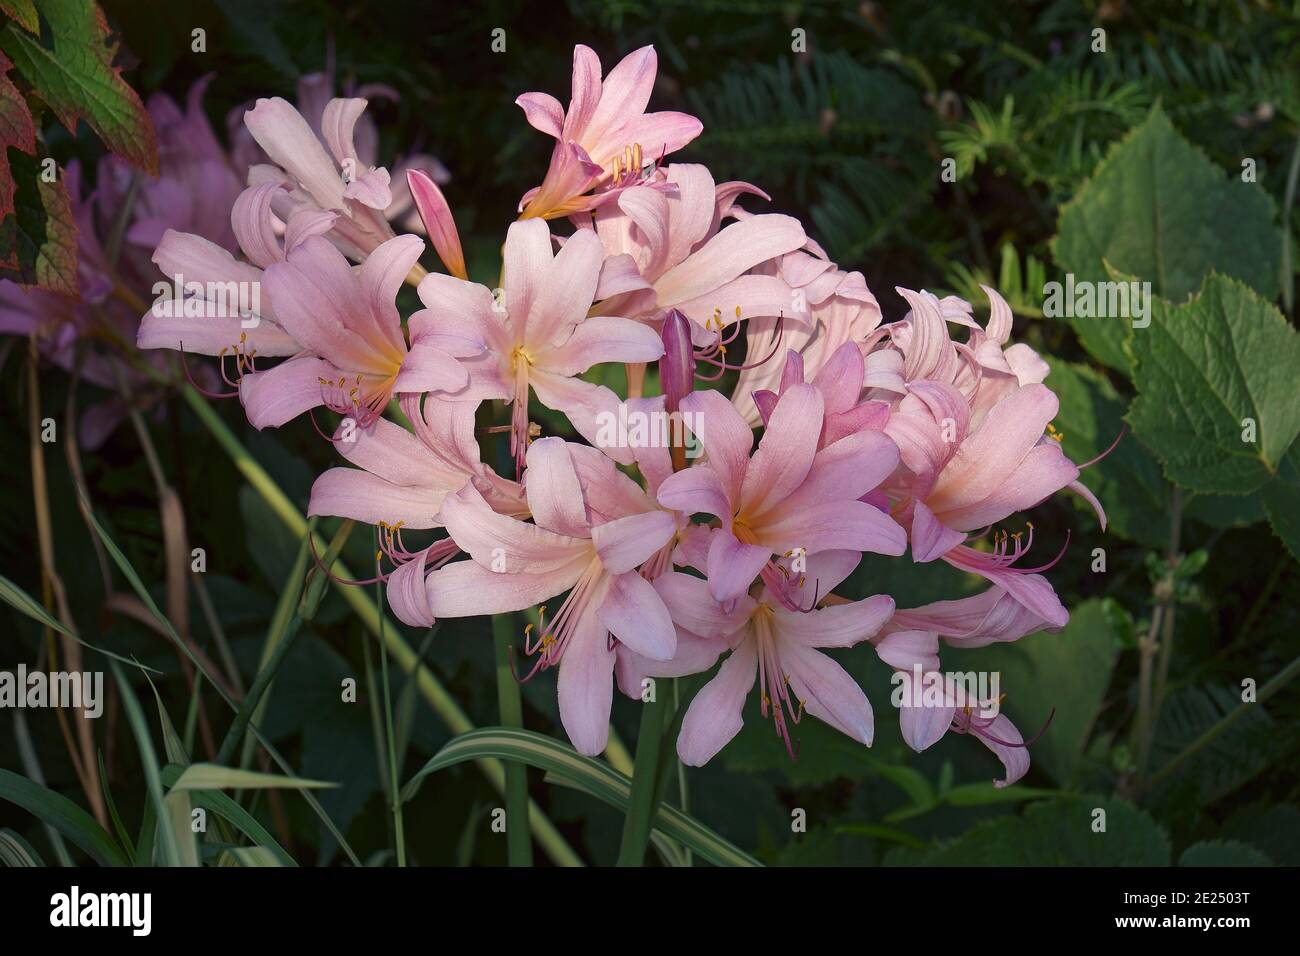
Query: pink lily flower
{"x": 779, "y": 647}
{"x": 603, "y": 138}
{"x": 400, "y": 483}
{"x": 334, "y": 181}
{"x": 356, "y": 356}
{"x": 842, "y": 309}
{"x": 667, "y": 252}
{"x": 220, "y": 315}
{"x": 789, "y": 497}
{"x": 839, "y": 380}
{"x": 539, "y": 335}
{"x": 593, "y": 529}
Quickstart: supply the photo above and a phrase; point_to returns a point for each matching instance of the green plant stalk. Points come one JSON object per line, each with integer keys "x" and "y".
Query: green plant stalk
{"x": 280, "y": 641}
{"x": 1280, "y": 680}
{"x": 394, "y": 793}
{"x": 442, "y": 703}
{"x": 645, "y": 785}
{"x": 519, "y": 844}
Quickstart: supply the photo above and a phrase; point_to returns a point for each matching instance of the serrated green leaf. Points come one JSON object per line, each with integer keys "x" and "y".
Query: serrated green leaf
{"x": 1157, "y": 208}
{"x": 1222, "y": 853}
{"x": 38, "y": 243}
{"x": 1062, "y": 832}
{"x": 76, "y": 78}
{"x": 1211, "y": 374}
{"x": 1282, "y": 502}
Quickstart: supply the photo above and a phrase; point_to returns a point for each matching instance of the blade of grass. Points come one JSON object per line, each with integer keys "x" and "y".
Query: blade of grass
{"x": 519, "y": 845}
{"x": 441, "y": 702}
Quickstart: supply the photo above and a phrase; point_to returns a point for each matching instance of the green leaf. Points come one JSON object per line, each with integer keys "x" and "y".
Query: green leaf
{"x": 15, "y": 851}
{"x": 75, "y": 76}
{"x": 1128, "y": 480}
{"x": 1158, "y": 209}
{"x": 1282, "y": 502}
{"x": 17, "y": 129}
{"x": 23, "y": 13}
{"x": 38, "y": 242}
{"x": 591, "y": 776}
{"x": 1208, "y": 374}
{"x": 1066, "y": 672}
{"x": 1058, "y": 832}
{"x": 207, "y": 776}
{"x": 1222, "y": 853}
{"x": 19, "y": 599}
{"x": 62, "y": 814}
{"x": 223, "y": 806}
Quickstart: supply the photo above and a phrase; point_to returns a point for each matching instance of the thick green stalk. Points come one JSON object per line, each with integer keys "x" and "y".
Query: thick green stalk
{"x": 442, "y": 703}
{"x": 645, "y": 785}
{"x": 519, "y": 843}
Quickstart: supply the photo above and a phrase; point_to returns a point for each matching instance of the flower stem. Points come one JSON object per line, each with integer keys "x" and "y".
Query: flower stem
{"x": 519, "y": 844}
{"x": 645, "y": 785}
{"x": 442, "y": 703}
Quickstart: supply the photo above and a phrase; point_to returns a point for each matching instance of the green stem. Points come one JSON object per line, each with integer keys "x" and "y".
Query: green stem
{"x": 1280, "y": 680}
{"x": 519, "y": 843}
{"x": 442, "y": 703}
{"x": 394, "y": 798}
{"x": 645, "y": 790}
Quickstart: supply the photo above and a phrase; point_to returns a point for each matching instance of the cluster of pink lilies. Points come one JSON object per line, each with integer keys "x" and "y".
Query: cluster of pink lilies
{"x": 881, "y": 437}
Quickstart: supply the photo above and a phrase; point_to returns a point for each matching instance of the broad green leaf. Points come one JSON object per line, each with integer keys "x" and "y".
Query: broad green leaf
{"x": 1062, "y": 832}
{"x": 1282, "y": 502}
{"x": 207, "y": 776}
{"x": 23, "y": 12}
{"x": 1067, "y": 673}
{"x": 76, "y": 78}
{"x": 62, "y": 814}
{"x": 1128, "y": 480}
{"x": 1158, "y": 209}
{"x": 17, "y": 129}
{"x": 592, "y": 776}
{"x": 38, "y": 243}
{"x": 1216, "y": 381}
{"x": 1274, "y": 830}
{"x": 1222, "y": 853}
{"x": 15, "y": 851}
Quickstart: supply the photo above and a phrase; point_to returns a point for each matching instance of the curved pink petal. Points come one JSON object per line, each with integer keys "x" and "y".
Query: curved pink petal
{"x": 837, "y": 625}
{"x": 281, "y": 394}
{"x": 586, "y": 685}
{"x": 714, "y": 715}
{"x": 785, "y": 453}
{"x": 554, "y": 495}
{"x": 693, "y": 608}
{"x": 726, "y": 437}
{"x": 635, "y": 614}
{"x": 625, "y": 543}
{"x": 827, "y": 691}
{"x": 733, "y": 566}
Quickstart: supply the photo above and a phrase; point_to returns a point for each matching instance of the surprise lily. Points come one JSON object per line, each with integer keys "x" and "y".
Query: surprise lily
{"x": 788, "y": 497}
{"x": 593, "y": 529}
{"x": 606, "y": 135}
{"x": 356, "y": 353}
{"x": 539, "y": 336}
{"x": 779, "y": 647}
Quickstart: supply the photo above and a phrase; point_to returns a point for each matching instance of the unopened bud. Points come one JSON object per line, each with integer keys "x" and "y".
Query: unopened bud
{"x": 438, "y": 223}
